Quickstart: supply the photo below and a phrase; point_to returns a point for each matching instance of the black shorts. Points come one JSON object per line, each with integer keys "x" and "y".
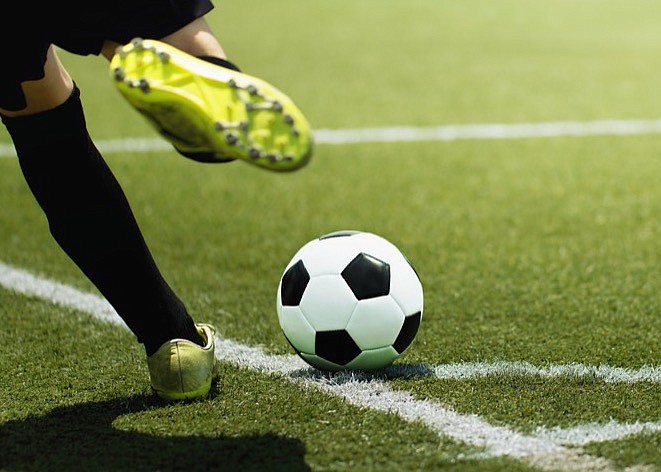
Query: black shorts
{"x": 29, "y": 27}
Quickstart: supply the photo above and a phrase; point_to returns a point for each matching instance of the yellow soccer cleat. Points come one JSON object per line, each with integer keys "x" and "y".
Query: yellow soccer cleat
{"x": 183, "y": 370}
{"x": 207, "y": 110}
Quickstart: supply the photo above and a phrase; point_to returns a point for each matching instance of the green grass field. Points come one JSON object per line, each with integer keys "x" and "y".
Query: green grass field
{"x": 543, "y": 250}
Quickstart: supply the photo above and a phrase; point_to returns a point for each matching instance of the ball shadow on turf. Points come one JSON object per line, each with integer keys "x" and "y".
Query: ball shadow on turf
{"x": 395, "y": 371}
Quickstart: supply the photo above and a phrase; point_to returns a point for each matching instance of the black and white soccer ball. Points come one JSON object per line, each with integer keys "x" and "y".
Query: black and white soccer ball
{"x": 349, "y": 300}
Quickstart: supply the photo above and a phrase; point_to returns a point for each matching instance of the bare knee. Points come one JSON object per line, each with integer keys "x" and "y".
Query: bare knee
{"x": 196, "y": 38}
{"x": 46, "y": 93}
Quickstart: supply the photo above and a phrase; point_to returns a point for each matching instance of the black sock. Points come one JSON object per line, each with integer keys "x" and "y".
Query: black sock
{"x": 90, "y": 218}
{"x": 220, "y": 62}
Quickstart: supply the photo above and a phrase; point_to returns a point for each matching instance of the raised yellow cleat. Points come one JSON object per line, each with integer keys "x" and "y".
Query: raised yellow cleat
{"x": 183, "y": 370}
{"x": 207, "y": 110}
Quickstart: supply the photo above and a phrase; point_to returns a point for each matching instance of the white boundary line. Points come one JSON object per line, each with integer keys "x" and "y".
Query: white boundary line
{"x": 593, "y": 432}
{"x": 546, "y": 448}
{"x": 393, "y": 134}
{"x": 605, "y": 373}
{"x": 488, "y": 131}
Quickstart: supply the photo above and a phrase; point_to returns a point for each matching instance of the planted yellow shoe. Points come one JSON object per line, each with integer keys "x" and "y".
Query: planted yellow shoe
{"x": 211, "y": 111}
{"x": 183, "y": 370}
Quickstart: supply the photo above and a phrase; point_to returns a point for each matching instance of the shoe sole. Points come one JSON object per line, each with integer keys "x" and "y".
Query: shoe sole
{"x": 203, "y": 108}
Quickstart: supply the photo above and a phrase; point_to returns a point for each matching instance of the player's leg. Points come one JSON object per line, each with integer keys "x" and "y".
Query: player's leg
{"x": 195, "y": 38}
{"x": 87, "y": 211}
{"x": 205, "y": 106}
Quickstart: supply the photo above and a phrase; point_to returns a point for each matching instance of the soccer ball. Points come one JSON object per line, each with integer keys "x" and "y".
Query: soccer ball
{"x": 349, "y": 300}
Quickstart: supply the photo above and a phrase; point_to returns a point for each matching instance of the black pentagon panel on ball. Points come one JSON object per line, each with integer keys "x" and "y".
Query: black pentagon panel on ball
{"x": 367, "y": 277}
{"x": 338, "y": 234}
{"x": 407, "y": 333}
{"x": 336, "y": 346}
{"x": 294, "y": 281}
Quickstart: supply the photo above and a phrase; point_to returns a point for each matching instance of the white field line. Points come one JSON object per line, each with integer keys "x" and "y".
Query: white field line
{"x": 547, "y": 449}
{"x": 393, "y": 134}
{"x": 25, "y": 283}
{"x": 592, "y": 432}
{"x": 488, "y": 131}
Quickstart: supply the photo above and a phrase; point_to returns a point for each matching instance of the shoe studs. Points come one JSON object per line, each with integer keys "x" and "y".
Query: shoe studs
{"x": 266, "y": 134}
{"x": 231, "y": 138}
{"x": 137, "y": 44}
{"x": 265, "y": 104}
{"x": 164, "y": 57}
{"x": 119, "y": 74}
{"x": 141, "y": 84}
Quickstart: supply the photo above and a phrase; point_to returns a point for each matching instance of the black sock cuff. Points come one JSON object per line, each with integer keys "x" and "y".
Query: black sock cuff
{"x": 220, "y": 62}
{"x": 50, "y": 125}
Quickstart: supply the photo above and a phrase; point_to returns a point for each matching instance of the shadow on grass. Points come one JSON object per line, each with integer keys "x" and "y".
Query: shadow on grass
{"x": 82, "y": 438}
{"x": 396, "y": 371}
